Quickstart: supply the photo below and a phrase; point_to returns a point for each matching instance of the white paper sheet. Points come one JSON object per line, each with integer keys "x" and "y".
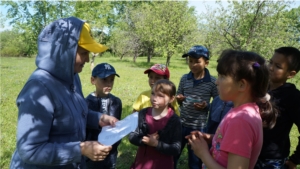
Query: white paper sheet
{"x": 110, "y": 135}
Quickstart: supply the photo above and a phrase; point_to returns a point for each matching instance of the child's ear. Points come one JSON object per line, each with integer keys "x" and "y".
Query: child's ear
{"x": 291, "y": 74}
{"x": 93, "y": 80}
{"x": 206, "y": 63}
{"x": 172, "y": 99}
{"x": 243, "y": 85}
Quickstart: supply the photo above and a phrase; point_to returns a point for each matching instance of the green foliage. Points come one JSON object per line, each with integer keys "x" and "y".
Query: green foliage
{"x": 293, "y": 16}
{"x": 9, "y": 39}
{"x": 15, "y": 72}
{"x": 160, "y": 28}
{"x": 97, "y": 14}
{"x": 258, "y": 26}
{"x": 29, "y": 23}
{"x": 2, "y": 20}
{"x": 157, "y": 26}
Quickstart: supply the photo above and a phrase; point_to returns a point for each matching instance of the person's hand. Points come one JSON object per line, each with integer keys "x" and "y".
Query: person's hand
{"x": 106, "y": 120}
{"x": 290, "y": 164}
{"x": 207, "y": 137}
{"x": 151, "y": 140}
{"x": 180, "y": 98}
{"x": 154, "y": 135}
{"x": 94, "y": 150}
{"x": 200, "y": 106}
{"x": 198, "y": 144}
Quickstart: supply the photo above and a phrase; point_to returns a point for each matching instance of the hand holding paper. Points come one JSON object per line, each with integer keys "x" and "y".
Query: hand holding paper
{"x": 110, "y": 135}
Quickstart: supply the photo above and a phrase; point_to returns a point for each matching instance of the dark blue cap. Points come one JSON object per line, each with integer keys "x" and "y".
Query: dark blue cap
{"x": 104, "y": 70}
{"x": 197, "y": 51}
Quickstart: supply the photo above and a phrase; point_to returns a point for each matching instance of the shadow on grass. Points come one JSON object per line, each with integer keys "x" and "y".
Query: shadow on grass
{"x": 126, "y": 151}
{"x": 126, "y": 154}
{"x": 140, "y": 64}
{"x": 144, "y": 64}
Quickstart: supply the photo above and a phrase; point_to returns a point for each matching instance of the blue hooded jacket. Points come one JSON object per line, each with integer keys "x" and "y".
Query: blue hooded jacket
{"x": 53, "y": 114}
{"x": 218, "y": 109}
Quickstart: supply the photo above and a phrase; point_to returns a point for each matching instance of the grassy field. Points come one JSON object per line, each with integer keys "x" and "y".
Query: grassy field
{"x": 132, "y": 81}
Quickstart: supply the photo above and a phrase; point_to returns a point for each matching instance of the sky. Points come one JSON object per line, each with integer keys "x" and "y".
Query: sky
{"x": 198, "y": 4}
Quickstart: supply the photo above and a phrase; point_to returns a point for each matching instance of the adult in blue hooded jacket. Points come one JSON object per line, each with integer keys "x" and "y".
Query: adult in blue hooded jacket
{"x": 53, "y": 114}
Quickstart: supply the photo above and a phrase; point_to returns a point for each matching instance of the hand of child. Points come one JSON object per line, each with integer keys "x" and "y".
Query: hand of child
{"x": 198, "y": 144}
{"x": 290, "y": 165}
{"x": 151, "y": 140}
{"x": 207, "y": 137}
{"x": 106, "y": 120}
{"x": 180, "y": 97}
{"x": 154, "y": 135}
{"x": 94, "y": 150}
{"x": 200, "y": 106}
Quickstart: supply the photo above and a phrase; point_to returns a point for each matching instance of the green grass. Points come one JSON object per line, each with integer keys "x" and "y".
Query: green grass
{"x": 132, "y": 81}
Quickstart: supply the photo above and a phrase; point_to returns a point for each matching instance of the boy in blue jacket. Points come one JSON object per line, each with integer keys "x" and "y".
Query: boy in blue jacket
{"x": 218, "y": 109}
{"x": 103, "y": 77}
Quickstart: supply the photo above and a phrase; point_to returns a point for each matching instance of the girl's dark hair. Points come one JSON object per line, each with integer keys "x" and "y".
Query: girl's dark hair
{"x": 253, "y": 68}
{"x": 166, "y": 87}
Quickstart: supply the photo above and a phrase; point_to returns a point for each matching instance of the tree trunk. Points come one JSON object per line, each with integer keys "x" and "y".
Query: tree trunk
{"x": 148, "y": 59}
{"x": 135, "y": 56}
{"x": 61, "y": 8}
{"x": 150, "y": 54}
{"x": 168, "y": 61}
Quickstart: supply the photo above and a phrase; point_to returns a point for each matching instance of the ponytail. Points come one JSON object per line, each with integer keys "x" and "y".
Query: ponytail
{"x": 268, "y": 112}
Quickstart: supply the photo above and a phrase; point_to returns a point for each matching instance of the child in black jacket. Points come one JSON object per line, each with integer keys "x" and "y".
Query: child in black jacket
{"x": 103, "y": 76}
{"x": 275, "y": 152}
{"x": 159, "y": 130}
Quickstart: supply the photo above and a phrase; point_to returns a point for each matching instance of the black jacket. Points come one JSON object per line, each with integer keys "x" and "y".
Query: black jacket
{"x": 114, "y": 109}
{"x": 276, "y": 142}
{"x": 169, "y": 137}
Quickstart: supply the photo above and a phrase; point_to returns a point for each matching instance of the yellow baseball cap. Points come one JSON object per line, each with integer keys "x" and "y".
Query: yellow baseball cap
{"x": 87, "y": 42}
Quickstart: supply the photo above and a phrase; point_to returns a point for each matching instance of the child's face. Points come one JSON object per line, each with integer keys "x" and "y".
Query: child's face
{"x": 197, "y": 65}
{"x": 278, "y": 68}
{"x": 160, "y": 100}
{"x": 103, "y": 86}
{"x": 227, "y": 87}
{"x": 153, "y": 77}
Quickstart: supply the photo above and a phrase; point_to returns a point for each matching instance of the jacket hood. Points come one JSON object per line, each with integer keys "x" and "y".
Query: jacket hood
{"x": 57, "y": 46}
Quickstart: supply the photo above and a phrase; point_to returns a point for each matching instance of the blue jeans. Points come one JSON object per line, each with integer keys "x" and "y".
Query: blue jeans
{"x": 271, "y": 164}
{"x": 193, "y": 161}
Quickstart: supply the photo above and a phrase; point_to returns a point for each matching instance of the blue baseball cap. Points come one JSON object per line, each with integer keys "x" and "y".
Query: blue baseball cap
{"x": 197, "y": 51}
{"x": 104, "y": 70}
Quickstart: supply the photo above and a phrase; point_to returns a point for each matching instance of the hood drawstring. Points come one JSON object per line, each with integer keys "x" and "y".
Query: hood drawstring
{"x": 72, "y": 88}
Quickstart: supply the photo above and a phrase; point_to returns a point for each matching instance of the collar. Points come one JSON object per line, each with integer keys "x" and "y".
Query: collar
{"x": 206, "y": 77}
{"x": 93, "y": 94}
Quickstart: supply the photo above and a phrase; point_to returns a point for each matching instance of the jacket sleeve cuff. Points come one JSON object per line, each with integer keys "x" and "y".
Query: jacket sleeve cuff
{"x": 159, "y": 146}
{"x": 294, "y": 159}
